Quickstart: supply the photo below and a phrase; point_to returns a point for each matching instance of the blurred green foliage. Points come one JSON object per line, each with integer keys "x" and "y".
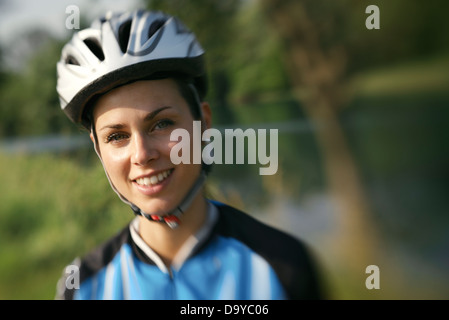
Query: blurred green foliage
{"x": 48, "y": 218}
{"x": 55, "y": 207}
{"x": 244, "y": 55}
{"x": 28, "y": 99}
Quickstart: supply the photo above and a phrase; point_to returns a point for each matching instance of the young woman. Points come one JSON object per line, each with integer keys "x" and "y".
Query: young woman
{"x": 131, "y": 79}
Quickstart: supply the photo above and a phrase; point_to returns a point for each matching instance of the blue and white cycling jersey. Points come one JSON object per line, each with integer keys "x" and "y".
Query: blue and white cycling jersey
{"x": 233, "y": 256}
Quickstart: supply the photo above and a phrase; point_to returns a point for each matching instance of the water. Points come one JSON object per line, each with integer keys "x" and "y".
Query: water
{"x": 41, "y": 144}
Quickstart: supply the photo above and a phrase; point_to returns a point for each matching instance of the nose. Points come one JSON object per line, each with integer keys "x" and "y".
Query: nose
{"x": 144, "y": 151}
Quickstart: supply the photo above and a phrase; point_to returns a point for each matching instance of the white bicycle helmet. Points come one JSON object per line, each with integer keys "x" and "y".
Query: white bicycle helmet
{"x": 121, "y": 48}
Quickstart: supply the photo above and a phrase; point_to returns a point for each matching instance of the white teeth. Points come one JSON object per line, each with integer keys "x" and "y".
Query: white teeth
{"x": 153, "y": 179}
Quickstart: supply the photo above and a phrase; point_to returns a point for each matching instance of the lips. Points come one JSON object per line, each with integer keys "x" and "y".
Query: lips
{"x": 155, "y": 179}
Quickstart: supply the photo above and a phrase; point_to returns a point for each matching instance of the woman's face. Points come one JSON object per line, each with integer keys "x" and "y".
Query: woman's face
{"x": 133, "y": 125}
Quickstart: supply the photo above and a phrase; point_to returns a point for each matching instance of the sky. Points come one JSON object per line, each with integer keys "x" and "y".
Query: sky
{"x": 18, "y": 16}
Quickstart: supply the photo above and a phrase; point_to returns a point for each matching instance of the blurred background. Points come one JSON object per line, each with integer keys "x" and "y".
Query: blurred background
{"x": 363, "y": 137}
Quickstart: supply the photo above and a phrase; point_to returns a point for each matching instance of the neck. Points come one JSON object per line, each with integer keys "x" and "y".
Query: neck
{"x": 165, "y": 241}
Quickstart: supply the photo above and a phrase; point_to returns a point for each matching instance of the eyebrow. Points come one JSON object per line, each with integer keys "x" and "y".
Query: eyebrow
{"x": 150, "y": 116}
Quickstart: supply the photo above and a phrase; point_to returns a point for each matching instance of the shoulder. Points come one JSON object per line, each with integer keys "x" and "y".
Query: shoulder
{"x": 292, "y": 260}
{"x": 255, "y": 234}
{"x": 81, "y": 269}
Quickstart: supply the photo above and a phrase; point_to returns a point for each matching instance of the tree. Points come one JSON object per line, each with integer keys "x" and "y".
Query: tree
{"x": 28, "y": 96}
{"x": 325, "y": 43}
{"x": 212, "y": 23}
{"x": 312, "y": 34}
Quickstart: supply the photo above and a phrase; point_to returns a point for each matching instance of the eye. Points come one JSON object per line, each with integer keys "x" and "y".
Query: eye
{"x": 163, "y": 124}
{"x": 116, "y": 137}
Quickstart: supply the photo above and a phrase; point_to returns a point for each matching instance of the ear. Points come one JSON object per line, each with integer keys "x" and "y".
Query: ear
{"x": 92, "y": 137}
{"x": 207, "y": 114}
{"x": 95, "y": 143}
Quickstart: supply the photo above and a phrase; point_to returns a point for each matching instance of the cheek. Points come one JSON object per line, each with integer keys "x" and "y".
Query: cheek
{"x": 115, "y": 163}
{"x": 182, "y": 143}
{"x": 171, "y": 144}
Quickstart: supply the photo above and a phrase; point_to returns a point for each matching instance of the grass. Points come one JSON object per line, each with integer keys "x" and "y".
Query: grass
{"x": 48, "y": 218}
{"x": 412, "y": 77}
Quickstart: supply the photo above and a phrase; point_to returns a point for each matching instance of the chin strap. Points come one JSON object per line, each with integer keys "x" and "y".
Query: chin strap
{"x": 171, "y": 218}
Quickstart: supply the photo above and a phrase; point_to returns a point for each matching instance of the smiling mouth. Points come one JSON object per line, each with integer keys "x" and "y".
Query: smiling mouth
{"x": 155, "y": 179}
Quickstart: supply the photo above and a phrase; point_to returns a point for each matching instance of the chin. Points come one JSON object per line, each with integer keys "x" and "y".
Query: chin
{"x": 157, "y": 206}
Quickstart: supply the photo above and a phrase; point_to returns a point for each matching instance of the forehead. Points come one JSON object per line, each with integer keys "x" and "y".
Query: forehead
{"x": 144, "y": 96}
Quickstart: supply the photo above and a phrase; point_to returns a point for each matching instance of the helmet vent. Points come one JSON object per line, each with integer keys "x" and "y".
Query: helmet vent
{"x": 95, "y": 47}
{"x": 155, "y": 26}
{"x": 123, "y": 35}
{"x": 71, "y": 60}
